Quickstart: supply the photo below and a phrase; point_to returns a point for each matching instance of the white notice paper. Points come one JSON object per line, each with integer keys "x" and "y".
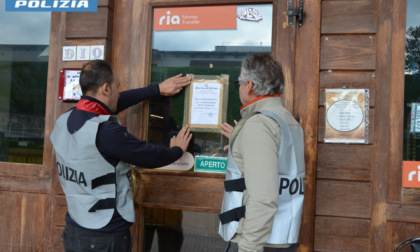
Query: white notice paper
{"x": 205, "y": 103}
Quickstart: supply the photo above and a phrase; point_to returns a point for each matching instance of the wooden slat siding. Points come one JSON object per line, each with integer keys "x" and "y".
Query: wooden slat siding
{"x": 25, "y": 184}
{"x": 397, "y": 103}
{"x": 382, "y": 129}
{"x": 343, "y": 198}
{"x": 403, "y": 213}
{"x": 398, "y": 232}
{"x": 283, "y": 49}
{"x": 182, "y": 191}
{"x": 307, "y": 86}
{"x": 321, "y": 125}
{"x": 121, "y": 47}
{"x": 348, "y": 17}
{"x": 24, "y": 221}
{"x": 341, "y": 234}
{"x": 90, "y": 24}
{"x": 60, "y": 211}
{"x": 407, "y": 194}
{"x": 344, "y": 162}
{"x": 350, "y": 52}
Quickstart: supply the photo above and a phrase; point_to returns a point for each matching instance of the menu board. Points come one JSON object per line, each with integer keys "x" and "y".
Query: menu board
{"x": 346, "y": 115}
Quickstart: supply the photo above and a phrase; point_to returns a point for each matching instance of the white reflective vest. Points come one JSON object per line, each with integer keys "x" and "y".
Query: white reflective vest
{"x": 291, "y": 165}
{"x": 93, "y": 187}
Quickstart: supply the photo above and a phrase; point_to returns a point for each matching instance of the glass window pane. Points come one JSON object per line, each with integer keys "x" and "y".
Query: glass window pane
{"x": 24, "y": 40}
{"x": 204, "y": 52}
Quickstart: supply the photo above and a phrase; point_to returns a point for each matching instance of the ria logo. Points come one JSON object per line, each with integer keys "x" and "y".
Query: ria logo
{"x": 411, "y": 174}
{"x": 51, "y": 5}
{"x": 169, "y": 20}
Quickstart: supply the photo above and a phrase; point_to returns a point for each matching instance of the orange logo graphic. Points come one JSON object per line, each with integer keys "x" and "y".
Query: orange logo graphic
{"x": 195, "y": 18}
{"x": 411, "y": 174}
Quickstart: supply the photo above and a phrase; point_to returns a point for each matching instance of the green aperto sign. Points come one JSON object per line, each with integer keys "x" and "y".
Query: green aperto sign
{"x": 210, "y": 164}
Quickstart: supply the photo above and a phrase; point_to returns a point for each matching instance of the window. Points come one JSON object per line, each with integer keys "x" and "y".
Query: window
{"x": 411, "y": 150}
{"x": 24, "y": 40}
{"x": 204, "y": 52}
{"x": 198, "y": 52}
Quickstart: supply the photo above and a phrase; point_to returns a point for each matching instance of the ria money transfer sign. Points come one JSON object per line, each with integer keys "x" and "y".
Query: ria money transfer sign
{"x": 52, "y": 5}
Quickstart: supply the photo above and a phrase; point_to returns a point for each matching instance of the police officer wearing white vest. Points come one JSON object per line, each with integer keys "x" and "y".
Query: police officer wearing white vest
{"x": 263, "y": 199}
{"x": 94, "y": 152}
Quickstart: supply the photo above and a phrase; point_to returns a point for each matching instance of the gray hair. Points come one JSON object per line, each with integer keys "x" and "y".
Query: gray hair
{"x": 264, "y": 72}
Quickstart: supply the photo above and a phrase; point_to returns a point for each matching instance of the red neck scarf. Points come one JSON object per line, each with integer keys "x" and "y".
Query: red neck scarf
{"x": 91, "y": 106}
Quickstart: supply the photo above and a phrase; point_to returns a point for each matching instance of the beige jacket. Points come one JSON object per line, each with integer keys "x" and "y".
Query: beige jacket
{"x": 255, "y": 145}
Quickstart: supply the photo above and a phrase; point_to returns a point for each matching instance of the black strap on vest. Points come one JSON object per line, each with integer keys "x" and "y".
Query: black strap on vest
{"x": 232, "y": 215}
{"x": 103, "y": 180}
{"x": 237, "y": 185}
{"x": 103, "y": 204}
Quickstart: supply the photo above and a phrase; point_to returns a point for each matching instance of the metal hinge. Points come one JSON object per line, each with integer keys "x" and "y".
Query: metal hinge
{"x": 292, "y": 13}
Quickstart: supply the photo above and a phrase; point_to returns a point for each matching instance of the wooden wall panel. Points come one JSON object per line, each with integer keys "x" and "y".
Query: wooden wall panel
{"x": 344, "y": 162}
{"x": 341, "y": 234}
{"x": 90, "y": 25}
{"x": 180, "y": 190}
{"x": 24, "y": 221}
{"x": 348, "y": 17}
{"x": 343, "y": 198}
{"x": 355, "y": 52}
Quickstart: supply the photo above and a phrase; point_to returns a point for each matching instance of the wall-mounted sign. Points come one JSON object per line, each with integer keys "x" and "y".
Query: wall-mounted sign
{"x": 76, "y": 53}
{"x": 195, "y": 18}
{"x": 206, "y": 102}
{"x": 210, "y": 164}
{"x": 69, "y": 87}
{"x": 52, "y": 5}
{"x": 346, "y": 115}
{"x": 250, "y": 14}
{"x": 411, "y": 174}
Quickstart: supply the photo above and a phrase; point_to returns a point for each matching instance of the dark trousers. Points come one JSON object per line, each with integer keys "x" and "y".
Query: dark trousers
{"x": 233, "y": 247}
{"x": 76, "y": 239}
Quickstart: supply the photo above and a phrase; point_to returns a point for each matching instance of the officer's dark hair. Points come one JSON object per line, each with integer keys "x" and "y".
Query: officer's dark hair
{"x": 94, "y": 74}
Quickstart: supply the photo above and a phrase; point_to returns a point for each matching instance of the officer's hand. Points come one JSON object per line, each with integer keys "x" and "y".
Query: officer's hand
{"x": 182, "y": 139}
{"x": 173, "y": 85}
{"x": 226, "y": 131}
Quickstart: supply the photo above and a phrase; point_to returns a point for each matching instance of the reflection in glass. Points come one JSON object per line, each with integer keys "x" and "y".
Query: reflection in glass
{"x": 23, "y": 80}
{"x": 203, "y": 52}
{"x": 411, "y": 150}
{"x": 199, "y": 52}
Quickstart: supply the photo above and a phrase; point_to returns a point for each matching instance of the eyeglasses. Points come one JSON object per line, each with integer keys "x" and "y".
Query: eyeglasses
{"x": 237, "y": 83}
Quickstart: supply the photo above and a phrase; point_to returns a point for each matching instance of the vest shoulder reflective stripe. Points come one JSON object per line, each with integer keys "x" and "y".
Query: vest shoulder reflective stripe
{"x": 287, "y": 219}
{"x": 93, "y": 187}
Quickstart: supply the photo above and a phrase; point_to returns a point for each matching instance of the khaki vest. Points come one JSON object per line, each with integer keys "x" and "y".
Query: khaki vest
{"x": 291, "y": 185}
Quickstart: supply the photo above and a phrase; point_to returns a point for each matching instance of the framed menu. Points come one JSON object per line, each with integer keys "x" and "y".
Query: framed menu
{"x": 346, "y": 115}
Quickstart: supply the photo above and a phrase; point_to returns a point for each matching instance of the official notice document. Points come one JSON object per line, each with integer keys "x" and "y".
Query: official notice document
{"x": 205, "y": 103}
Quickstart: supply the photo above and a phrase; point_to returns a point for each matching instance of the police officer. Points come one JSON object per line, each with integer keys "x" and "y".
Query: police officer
{"x": 262, "y": 204}
{"x": 94, "y": 153}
